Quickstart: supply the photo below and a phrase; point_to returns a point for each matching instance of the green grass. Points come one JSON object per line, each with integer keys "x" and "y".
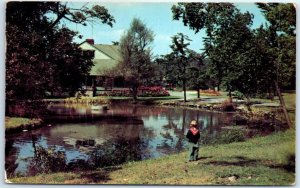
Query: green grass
{"x": 258, "y": 161}
{"x": 16, "y": 122}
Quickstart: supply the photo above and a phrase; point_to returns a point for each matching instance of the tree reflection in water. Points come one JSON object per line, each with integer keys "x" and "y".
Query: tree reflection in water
{"x": 110, "y": 153}
{"x": 124, "y": 133}
{"x": 116, "y": 152}
{"x": 47, "y": 160}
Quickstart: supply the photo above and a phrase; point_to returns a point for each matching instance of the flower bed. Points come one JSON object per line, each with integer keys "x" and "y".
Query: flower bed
{"x": 143, "y": 91}
{"x": 210, "y": 92}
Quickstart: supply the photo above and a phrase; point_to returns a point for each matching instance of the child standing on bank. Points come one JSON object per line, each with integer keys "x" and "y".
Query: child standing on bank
{"x": 193, "y": 136}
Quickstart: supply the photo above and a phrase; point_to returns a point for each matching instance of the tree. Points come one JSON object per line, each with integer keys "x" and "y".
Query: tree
{"x": 282, "y": 40}
{"x": 136, "y": 54}
{"x": 169, "y": 74}
{"x": 227, "y": 32}
{"x": 41, "y": 56}
{"x": 240, "y": 58}
{"x": 198, "y": 74}
{"x": 180, "y": 58}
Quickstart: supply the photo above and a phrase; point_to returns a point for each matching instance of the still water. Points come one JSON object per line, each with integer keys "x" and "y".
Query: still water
{"x": 83, "y": 136}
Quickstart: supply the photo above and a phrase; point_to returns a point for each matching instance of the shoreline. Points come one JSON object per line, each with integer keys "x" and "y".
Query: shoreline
{"x": 239, "y": 163}
{"x": 18, "y": 124}
{"x": 198, "y": 104}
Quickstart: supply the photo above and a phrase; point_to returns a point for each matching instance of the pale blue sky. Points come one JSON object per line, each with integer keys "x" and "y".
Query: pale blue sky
{"x": 157, "y": 16}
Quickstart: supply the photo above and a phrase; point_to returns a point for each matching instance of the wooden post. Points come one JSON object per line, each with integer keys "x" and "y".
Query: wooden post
{"x": 283, "y": 105}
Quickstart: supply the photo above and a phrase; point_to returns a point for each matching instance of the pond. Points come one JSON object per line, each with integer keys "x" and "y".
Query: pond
{"x": 82, "y": 136}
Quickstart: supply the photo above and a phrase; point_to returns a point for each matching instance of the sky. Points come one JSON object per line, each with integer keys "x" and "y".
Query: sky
{"x": 156, "y": 16}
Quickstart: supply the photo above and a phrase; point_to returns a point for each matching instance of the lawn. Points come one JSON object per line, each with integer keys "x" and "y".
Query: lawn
{"x": 266, "y": 160}
{"x": 16, "y": 122}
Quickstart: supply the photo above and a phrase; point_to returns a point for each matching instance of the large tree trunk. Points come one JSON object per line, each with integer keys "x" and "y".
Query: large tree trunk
{"x": 198, "y": 93}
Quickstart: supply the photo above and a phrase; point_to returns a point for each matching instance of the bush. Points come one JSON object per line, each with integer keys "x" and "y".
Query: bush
{"x": 238, "y": 95}
{"x": 227, "y": 106}
{"x": 224, "y": 137}
{"x": 231, "y": 135}
{"x": 48, "y": 160}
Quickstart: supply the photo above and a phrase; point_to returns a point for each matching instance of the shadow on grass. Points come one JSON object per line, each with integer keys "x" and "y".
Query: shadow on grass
{"x": 203, "y": 158}
{"x": 244, "y": 162}
{"x": 99, "y": 176}
{"x": 290, "y": 166}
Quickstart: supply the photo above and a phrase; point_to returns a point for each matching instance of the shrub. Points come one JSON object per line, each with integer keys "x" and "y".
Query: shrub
{"x": 226, "y": 136}
{"x": 48, "y": 160}
{"x": 231, "y": 135}
{"x": 227, "y": 106}
{"x": 238, "y": 95}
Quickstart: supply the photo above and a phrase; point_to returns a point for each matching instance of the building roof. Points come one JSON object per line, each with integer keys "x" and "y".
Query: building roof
{"x": 112, "y": 51}
{"x": 103, "y": 66}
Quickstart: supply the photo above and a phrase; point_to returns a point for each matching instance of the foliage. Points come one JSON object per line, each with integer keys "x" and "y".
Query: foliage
{"x": 232, "y": 135}
{"x": 227, "y": 106}
{"x": 226, "y": 136}
{"x": 115, "y": 153}
{"x": 282, "y": 41}
{"x": 136, "y": 54}
{"x": 175, "y": 64}
{"x": 199, "y": 77}
{"x": 48, "y": 160}
{"x": 237, "y": 57}
{"x": 29, "y": 109}
{"x": 86, "y": 100}
{"x": 238, "y": 95}
{"x": 41, "y": 56}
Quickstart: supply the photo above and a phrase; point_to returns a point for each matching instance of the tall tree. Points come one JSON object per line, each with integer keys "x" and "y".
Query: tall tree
{"x": 199, "y": 77}
{"x": 227, "y": 29}
{"x": 180, "y": 56}
{"x": 282, "y": 37}
{"x": 136, "y": 54}
{"x": 41, "y": 56}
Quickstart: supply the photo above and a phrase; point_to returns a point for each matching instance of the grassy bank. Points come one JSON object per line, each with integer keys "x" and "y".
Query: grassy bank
{"x": 15, "y": 124}
{"x": 259, "y": 161}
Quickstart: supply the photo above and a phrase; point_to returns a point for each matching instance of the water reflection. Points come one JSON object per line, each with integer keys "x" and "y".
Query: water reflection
{"x": 122, "y": 133}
